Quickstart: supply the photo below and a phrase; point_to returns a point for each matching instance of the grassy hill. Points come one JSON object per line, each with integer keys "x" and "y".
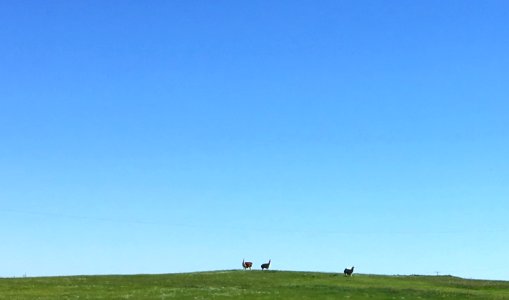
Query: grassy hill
{"x": 251, "y": 285}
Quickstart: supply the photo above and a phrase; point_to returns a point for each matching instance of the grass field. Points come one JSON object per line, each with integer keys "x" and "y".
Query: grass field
{"x": 251, "y": 285}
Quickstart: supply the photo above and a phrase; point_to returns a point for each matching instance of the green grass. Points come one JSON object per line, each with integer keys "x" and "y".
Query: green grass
{"x": 252, "y": 285}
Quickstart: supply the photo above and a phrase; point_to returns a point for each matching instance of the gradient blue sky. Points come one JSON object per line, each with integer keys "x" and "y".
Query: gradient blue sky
{"x": 175, "y": 136}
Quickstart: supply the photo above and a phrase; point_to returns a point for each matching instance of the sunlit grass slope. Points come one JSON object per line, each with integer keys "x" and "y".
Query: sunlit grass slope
{"x": 252, "y": 285}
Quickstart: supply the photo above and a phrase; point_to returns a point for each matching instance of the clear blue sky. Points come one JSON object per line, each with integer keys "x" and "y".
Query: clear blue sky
{"x": 175, "y": 136}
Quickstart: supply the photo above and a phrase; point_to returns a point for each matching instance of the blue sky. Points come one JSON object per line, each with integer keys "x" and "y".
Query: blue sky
{"x": 176, "y": 136}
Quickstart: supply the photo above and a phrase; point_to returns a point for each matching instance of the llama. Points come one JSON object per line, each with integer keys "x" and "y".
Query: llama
{"x": 348, "y": 272}
{"x": 266, "y": 266}
{"x": 246, "y": 264}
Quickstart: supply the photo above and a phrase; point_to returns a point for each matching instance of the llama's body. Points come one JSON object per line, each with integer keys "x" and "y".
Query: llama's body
{"x": 348, "y": 272}
{"x": 266, "y": 266}
{"x": 247, "y": 264}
